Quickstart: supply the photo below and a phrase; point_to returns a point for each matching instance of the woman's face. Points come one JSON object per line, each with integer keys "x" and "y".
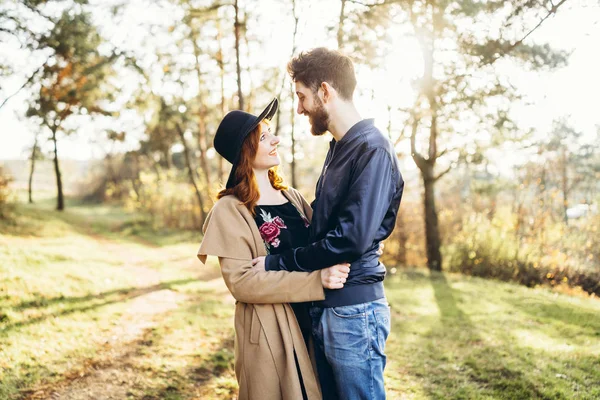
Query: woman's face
{"x": 266, "y": 155}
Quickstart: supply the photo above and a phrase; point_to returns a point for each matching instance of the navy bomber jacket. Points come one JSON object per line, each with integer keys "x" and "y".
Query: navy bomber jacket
{"x": 356, "y": 202}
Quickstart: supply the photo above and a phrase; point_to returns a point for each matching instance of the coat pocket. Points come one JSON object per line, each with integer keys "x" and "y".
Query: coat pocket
{"x": 254, "y": 327}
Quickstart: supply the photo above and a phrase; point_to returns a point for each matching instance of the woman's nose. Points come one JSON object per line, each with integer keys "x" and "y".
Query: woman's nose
{"x": 275, "y": 140}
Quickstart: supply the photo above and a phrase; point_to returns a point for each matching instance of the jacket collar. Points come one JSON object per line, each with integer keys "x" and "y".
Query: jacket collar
{"x": 355, "y": 130}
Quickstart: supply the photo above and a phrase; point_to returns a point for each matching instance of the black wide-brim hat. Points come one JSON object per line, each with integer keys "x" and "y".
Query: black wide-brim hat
{"x": 233, "y": 130}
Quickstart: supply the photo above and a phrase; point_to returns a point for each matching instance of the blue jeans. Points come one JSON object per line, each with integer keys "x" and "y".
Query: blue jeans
{"x": 350, "y": 349}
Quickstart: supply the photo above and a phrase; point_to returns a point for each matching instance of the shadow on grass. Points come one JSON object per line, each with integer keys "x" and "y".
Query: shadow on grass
{"x": 124, "y": 294}
{"x": 487, "y": 365}
{"x": 553, "y": 311}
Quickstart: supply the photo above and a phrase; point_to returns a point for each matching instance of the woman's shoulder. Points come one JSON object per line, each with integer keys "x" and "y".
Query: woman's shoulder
{"x": 227, "y": 205}
{"x": 226, "y": 212}
{"x": 226, "y": 201}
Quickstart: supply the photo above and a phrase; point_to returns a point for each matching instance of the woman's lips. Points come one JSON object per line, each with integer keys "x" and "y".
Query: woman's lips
{"x": 273, "y": 153}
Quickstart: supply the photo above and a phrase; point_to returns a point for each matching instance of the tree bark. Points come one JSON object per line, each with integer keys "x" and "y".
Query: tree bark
{"x": 32, "y": 169}
{"x": 60, "y": 206}
{"x": 293, "y": 137}
{"x": 432, "y": 233}
{"x": 221, "y": 62}
{"x": 565, "y": 184}
{"x": 202, "y": 137}
{"x": 188, "y": 162}
{"x": 340, "y": 31}
{"x": 292, "y": 94}
{"x": 402, "y": 239}
{"x": 237, "y": 55}
{"x": 427, "y": 165}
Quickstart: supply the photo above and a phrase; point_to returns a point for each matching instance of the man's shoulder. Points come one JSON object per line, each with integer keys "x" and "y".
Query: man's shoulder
{"x": 372, "y": 139}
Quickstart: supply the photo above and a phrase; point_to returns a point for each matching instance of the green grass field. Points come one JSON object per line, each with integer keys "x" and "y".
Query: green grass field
{"x": 95, "y": 304}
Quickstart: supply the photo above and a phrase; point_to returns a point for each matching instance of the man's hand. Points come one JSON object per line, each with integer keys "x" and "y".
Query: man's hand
{"x": 259, "y": 262}
{"x": 335, "y": 276}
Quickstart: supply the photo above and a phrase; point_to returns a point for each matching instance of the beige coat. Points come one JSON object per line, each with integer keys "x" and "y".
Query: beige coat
{"x": 266, "y": 330}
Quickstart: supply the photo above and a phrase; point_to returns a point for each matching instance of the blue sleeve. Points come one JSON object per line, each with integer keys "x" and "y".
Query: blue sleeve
{"x": 372, "y": 187}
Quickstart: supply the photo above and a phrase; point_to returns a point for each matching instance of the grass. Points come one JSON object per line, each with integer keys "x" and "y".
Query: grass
{"x": 95, "y": 289}
{"x": 468, "y": 338}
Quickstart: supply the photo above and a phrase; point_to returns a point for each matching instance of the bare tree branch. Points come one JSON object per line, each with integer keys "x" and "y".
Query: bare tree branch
{"x": 385, "y": 3}
{"x": 27, "y": 82}
{"x": 36, "y": 11}
{"x": 402, "y": 133}
{"x": 199, "y": 12}
{"x": 443, "y": 173}
{"x": 419, "y": 159}
{"x": 520, "y": 41}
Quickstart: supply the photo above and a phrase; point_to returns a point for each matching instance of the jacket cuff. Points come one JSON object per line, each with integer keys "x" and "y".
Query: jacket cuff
{"x": 272, "y": 262}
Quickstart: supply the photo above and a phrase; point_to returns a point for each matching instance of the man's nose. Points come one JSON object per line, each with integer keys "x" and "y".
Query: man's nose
{"x": 300, "y": 110}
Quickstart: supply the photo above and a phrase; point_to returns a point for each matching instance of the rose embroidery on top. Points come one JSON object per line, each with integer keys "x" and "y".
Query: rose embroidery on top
{"x": 270, "y": 229}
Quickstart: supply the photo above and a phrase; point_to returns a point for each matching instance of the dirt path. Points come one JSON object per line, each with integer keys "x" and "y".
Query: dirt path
{"x": 109, "y": 375}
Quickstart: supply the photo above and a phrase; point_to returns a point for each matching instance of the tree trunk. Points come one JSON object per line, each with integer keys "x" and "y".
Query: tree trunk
{"x": 250, "y": 94}
{"x": 565, "y": 184}
{"x": 292, "y": 94}
{"x": 221, "y": 62}
{"x": 432, "y": 233}
{"x": 32, "y": 169}
{"x": 166, "y": 153}
{"x": 60, "y": 206}
{"x": 340, "y": 31}
{"x": 188, "y": 162}
{"x": 427, "y": 164}
{"x": 292, "y": 118}
{"x": 237, "y": 55}
{"x": 135, "y": 179}
{"x": 202, "y": 137}
{"x": 402, "y": 239}
{"x": 389, "y": 125}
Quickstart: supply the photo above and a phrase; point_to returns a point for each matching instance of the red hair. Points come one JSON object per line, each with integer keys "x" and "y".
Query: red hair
{"x": 246, "y": 190}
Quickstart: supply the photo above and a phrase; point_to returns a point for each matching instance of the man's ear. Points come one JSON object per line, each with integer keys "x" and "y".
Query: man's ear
{"x": 328, "y": 91}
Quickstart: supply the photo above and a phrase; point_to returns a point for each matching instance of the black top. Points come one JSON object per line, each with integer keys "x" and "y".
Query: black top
{"x": 282, "y": 228}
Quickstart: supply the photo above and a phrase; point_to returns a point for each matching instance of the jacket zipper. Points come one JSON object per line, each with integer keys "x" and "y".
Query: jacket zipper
{"x": 327, "y": 166}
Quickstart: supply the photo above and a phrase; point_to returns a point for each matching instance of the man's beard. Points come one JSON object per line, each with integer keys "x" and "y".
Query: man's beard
{"x": 319, "y": 119}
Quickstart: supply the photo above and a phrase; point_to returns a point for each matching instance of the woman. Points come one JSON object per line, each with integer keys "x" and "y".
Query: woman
{"x": 254, "y": 216}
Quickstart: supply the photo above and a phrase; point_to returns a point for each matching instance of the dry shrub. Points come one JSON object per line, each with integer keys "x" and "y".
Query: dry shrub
{"x": 499, "y": 248}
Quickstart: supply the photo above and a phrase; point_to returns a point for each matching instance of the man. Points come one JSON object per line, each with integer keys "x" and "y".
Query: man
{"x": 357, "y": 200}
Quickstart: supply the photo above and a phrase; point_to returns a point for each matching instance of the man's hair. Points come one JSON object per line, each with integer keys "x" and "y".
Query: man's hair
{"x": 323, "y": 65}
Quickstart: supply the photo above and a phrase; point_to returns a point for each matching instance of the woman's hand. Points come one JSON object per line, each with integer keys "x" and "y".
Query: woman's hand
{"x": 335, "y": 276}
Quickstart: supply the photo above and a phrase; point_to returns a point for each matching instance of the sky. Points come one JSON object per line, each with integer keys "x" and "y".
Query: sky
{"x": 570, "y": 91}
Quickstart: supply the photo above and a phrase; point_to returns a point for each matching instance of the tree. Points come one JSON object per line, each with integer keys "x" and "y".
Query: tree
{"x": 460, "y": 85}
{"x": 36, "y": 154}
{"x": 570, "y": 161}
{"x": 292, "y": 92}
{"x": 238, "y": 25}
{"x": 73, "y": 81}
